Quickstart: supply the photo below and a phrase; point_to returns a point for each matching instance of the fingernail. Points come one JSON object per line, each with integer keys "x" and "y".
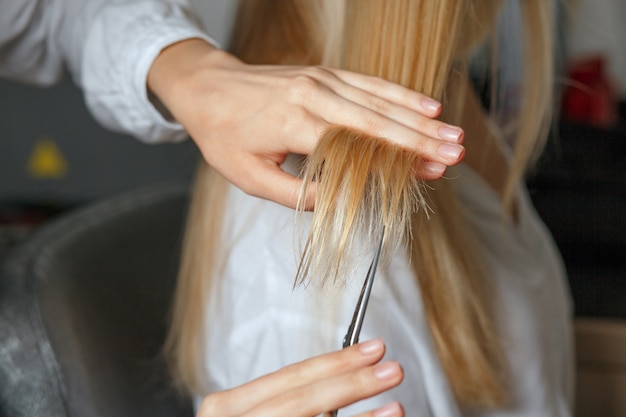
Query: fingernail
{"x": 387, "y": 370}
{"x": 430, "y": 105}
{"x": 450, "y": 133}
{"x": 389, "y": 410}
{"x": 371, "y": 346}
{"x": 450, "y": 151}
{"x": 435, "y": 168}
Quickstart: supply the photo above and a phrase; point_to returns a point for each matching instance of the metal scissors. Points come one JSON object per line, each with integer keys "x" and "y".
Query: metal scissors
{"x": 352, "y": 335}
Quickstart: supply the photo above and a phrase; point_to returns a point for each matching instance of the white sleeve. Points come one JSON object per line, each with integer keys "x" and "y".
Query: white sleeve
{"x": 107, "y": 45}
{"x": 27, "y": 51}
{"x": 120, "y": 46}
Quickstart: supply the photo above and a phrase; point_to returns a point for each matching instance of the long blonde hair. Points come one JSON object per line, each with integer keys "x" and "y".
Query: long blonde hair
{"x": 365, "y": 182}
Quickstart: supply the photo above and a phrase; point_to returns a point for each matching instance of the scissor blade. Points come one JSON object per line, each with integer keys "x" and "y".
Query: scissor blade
{"x": 352, "y": 337}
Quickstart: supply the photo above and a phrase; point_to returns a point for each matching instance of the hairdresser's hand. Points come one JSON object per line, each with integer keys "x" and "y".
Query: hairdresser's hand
{"x": 309, "y": 388}
{"x": 246, "y": 119}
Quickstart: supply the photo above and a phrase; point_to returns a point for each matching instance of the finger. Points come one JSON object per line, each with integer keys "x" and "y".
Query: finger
{"x": 263, "y": 177}
{"x": 431, "y": 128}
{"x": 304, "y": 373}
{"x": 400, "y": 113}
{"x": 270, "y": 182}
{"x": 334, "y": 110}
{"x": 332, "y": 393}
{"x": 393, "y": 409}
{"x": 372, "y": 112}
{"x": 430, "y": 171}
{"x": 340, "y": 111}
{"x": 390, "y": 91}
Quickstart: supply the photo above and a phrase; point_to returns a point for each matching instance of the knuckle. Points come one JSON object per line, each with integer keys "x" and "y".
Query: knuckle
{"x": 377, "y": 82}
{"x": 423, "y": 124}
{"x": 343, "y": 360}
{"x": 424, "y": 144}
{"x": 360, "y": 379}
{"x": 303, "y": 86}
{"x": 317, "y": 71}
{"x": 379, "y": 105}
{"x": 309, "y": 84}
{"x": 212, "y": 405}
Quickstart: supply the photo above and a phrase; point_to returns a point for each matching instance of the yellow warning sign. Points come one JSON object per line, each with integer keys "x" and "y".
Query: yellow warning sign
{"x": 46, "y": 160}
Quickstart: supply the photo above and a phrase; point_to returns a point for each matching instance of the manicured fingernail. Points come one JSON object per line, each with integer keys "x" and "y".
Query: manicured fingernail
{"x": 450, "y": 133}
{"x": 387, "y": 370}
{"x": 371, "y": 346}
{"x": 389, "y": 410}
{"x": 435, "y": 168}
{"x": 430, "y": 105}
{"x": 450, "y": 151}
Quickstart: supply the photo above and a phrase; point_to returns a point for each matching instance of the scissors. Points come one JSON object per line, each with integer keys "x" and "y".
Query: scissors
{"x": 352, "y": 335}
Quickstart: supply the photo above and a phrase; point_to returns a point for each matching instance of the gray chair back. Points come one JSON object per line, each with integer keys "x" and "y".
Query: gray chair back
{"x": 83, "y": 311}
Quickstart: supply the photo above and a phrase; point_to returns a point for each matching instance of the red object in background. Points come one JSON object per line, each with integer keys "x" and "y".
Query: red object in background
{"x": 590, "y": 97}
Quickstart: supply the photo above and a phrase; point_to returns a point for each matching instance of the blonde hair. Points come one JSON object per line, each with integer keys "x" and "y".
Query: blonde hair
{"x": 365, "y": 182}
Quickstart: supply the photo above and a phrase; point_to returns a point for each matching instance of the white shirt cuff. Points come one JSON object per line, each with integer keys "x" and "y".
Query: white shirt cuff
{"x": 121, "y": 47}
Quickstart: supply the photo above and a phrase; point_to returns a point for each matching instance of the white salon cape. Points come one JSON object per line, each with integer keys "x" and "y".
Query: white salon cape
{"x": 260, "y": 324}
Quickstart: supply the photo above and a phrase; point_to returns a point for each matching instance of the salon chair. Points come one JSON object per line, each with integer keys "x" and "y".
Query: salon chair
{"x": 83, "y": 311}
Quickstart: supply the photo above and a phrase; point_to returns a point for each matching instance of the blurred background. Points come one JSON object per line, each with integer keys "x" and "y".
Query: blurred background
{"x": 54, "y": 157}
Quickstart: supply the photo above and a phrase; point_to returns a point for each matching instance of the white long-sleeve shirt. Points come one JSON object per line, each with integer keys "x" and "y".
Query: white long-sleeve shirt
{"x": 108, "y": 47}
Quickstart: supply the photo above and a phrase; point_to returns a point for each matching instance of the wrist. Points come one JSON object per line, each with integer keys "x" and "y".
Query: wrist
{"x": 174, "y": 69}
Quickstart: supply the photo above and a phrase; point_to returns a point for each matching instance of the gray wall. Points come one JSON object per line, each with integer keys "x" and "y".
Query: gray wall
{"x": 100, "y": 163}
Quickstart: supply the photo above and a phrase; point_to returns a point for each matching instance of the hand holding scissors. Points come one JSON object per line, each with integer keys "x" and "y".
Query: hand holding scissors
{"x": 307, "y": 388}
